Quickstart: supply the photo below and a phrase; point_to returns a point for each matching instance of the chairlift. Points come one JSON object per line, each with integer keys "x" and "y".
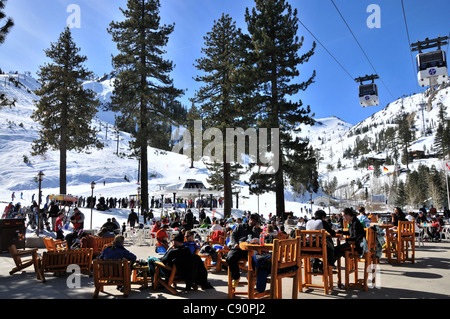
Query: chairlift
{"x": 432, "y": 68}
{"x": 368, "y": 93}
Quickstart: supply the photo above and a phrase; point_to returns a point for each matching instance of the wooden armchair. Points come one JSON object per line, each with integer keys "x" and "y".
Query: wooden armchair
{"x": 55, "y": 245}
{"x": 172, "y": 279}
{"x": 111, "y": 273}
{"x": 216, "y": 238}
{"x": 103, "y": 242}
{"x": 22, "y": 264}
{"x": 313, "y": 246}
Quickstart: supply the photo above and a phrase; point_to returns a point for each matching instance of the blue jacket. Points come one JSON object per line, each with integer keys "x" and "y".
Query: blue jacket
{"x": 118, "y": 252}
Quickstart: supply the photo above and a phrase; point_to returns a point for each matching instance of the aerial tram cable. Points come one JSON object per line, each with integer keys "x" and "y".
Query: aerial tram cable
{"x": 326, "y": 50}
{"x": 409, "y": 45}
{"x": 361, "y": 47}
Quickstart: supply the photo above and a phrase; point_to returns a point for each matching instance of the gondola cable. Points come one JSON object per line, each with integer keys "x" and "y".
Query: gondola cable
{"x": 361, "y": 47}
{"x": 409, "y": 45}
{"x": 336, "y": 60}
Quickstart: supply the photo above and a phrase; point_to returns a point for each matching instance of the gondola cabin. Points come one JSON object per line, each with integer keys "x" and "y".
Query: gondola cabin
{"x": 432, "y": 68}
{"x": 368, "y": 95}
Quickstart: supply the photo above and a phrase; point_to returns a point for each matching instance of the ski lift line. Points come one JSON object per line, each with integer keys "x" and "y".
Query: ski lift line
{"x": 409, "y": 45}
{"x": 361, "y": 47}
{"x": 326, "y": 50}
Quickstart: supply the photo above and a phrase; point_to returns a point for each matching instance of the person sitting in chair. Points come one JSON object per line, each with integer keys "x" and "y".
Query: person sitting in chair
{"x": 190, "y": 267}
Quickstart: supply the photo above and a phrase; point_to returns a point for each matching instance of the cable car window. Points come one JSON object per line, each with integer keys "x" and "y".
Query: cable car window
{"x": 368, "y": 89}
{"x": 431, "y": 59}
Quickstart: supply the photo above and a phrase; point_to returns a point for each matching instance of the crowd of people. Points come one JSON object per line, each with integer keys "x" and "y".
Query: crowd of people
{"x": 180, "y": 249}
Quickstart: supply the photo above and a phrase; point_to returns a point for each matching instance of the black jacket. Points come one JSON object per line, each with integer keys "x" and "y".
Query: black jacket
{"x": 356, "y": 232}
{"x": 241, "y": 231}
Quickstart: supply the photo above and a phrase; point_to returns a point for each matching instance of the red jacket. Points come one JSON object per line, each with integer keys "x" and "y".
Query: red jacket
{"x": 77, "y": 220}
{"x": 59, "y": 224}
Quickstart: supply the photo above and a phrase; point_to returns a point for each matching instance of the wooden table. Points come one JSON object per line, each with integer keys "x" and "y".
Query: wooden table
{"x": 251, "y": 273}
{"x": 255, "y": 247}
{"x": 140, "y": 280}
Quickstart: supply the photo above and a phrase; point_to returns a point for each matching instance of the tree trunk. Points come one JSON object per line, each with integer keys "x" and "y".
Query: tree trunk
{"x": 63, "y": 169}
{"x": 227, "y": 190}
{"x": 63, "y": 152}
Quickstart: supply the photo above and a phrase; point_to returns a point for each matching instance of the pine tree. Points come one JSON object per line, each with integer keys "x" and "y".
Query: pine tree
{"x": 401, "y": 195}
{"x": 442, "y": 136}
{"x": 65, "y": 109}
{"x": 221, "y": 100}
{"x": 273, "y": 27}
{"x": 143, "y": 88}
{"x": 5, "y": 28}
{"x": 194, "y": 114}
{"x": 405, "y": 135}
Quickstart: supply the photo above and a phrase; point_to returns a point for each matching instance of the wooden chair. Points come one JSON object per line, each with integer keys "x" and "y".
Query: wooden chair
{"x": 22, "y": 264}
{"x": 216, "y": 238}
{"x": 352, "y": 260}
{"x": 405, "y": 237}
{"x": 55, "y": 245}
{"x": 111, "y": 273}
{"x": 285, "y": 263}
{"x": 103, "y": 242}
{"x": 313, "y": 245}
{"x": 391, "y": 244}
{"x": 172, "y": 279}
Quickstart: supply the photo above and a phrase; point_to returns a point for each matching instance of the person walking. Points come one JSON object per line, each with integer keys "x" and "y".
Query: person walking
{"x": 132, "y": 218}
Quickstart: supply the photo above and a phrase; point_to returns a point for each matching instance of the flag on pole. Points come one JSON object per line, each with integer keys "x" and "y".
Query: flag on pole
{"x": 385, "y": 169}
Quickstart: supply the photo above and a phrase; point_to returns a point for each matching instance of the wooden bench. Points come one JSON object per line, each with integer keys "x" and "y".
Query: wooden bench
{"x": 58, "y": 261}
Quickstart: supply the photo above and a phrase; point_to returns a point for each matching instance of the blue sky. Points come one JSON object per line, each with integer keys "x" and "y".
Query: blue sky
{"x": 39, "y": 22}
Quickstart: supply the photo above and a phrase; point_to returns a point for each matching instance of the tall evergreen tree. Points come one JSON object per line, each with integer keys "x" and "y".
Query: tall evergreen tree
{"x": 65, "y": 109}
{"x": 442, "y": 136}
{"x": 5, "y": 27}
{"x": 401, "y": 198}
{"x": 405, "y": 135}
{"x": 222, "y": 98}
{"x": 143, "y": 88}
{"x": 273, "y": 26}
